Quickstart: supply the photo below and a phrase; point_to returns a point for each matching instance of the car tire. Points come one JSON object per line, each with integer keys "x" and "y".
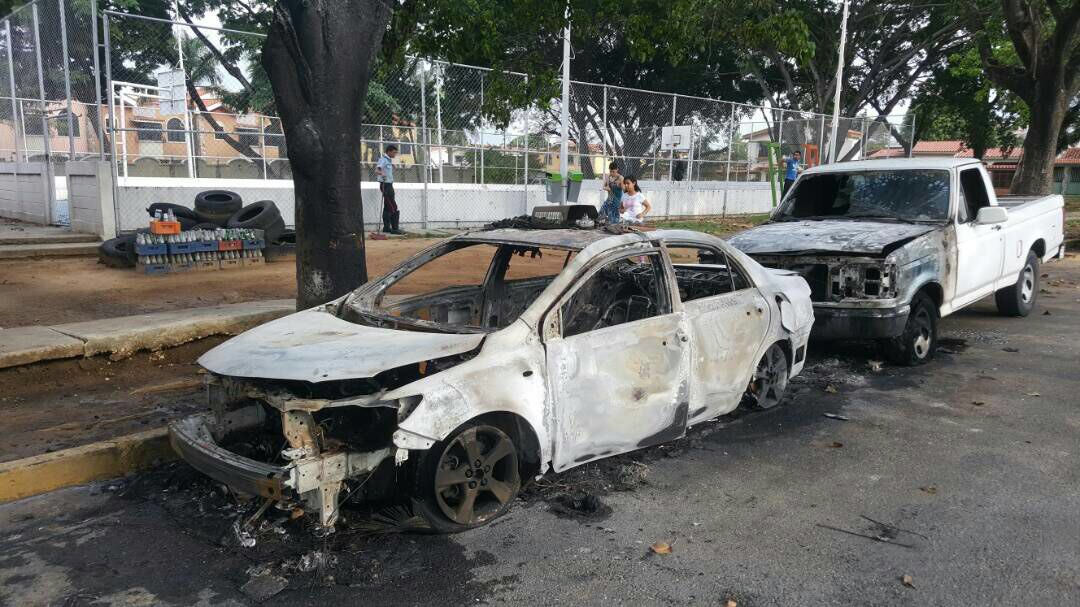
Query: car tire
{"x": 179, "y": 210}
{"x": 455, "y": 480}
{"x": 218, "y": 202}
{"x": 118, "y": 252}
{"x": 1019, "y": 299}
{"x": 769, "y": 383}
{"x": 206, "y": 226}
{"x": 918, "y": 343}
{"x": 257, "y": 215}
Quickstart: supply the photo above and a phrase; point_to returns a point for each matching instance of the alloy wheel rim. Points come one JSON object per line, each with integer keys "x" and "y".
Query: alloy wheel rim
{"x": 770, "y": 378}
{"x": 477, "y": 475}
{"x": 922, "y": 334}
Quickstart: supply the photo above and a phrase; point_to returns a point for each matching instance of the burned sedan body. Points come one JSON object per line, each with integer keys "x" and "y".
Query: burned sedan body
{"x": 551, "y": 348}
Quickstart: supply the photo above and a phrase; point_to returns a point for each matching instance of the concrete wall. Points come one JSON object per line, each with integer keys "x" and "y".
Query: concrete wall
{"x": 448, "y": 205}
{"x": 90, "y": 198}
{"x": 24, "y": 191}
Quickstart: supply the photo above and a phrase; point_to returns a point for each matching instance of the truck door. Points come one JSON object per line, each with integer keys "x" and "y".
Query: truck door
{"x": 979, "y": 248}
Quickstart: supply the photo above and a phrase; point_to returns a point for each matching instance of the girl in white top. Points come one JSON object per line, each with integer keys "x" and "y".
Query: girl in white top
{"x": 634, "y": 204}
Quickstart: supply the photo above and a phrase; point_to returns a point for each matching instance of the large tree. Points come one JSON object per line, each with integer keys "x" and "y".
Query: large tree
{"x": 1041, "y": 65}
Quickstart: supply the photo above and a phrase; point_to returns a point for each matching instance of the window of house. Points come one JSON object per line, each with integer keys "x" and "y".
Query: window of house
{"x": 175, "y": 126}
{"x": 147, "y": 131}
{"x": 704, "y": 272}
{"x": 62, "y": 125}
{"x": 622, "y": 291}
{"x": 247, "y": 136}
{"x": 1001, "y": 179}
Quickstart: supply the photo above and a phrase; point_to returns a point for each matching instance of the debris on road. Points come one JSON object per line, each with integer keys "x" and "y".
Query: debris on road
{"x": 1033, "y": 394}
{"x": 908, "y": 581}
{"x": 929, "y": 490}
{"x": 831, "y": 389}
{"x": 884, "y": 538}
{"x": 836, "y": 445}
{"x": 842, "y": 418}
{"x": 660, "y": 548}
{"x": 580, "y": 504}
{"x": 263, "y": 584}
{"x": 978, "y": 403}
{"x": 630, "y": 475}
{"x": 875, "y": 365}
{"x": 1010, "y": 349}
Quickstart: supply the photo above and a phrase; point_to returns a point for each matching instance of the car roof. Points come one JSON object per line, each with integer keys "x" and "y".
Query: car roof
{"x": 569, "y": 239}
{"x": 890, "y": 164}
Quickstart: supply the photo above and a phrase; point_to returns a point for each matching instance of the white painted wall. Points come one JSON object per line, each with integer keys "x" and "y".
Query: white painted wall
{"x": 448, "y": 205}
{"x": 24, "y": 191}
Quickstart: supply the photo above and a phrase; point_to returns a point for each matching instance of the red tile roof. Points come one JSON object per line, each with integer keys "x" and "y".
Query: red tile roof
{"x": 1070, "y": 156}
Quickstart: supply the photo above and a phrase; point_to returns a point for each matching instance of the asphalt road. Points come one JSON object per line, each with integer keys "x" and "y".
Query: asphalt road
{"x": 976, "y": 457}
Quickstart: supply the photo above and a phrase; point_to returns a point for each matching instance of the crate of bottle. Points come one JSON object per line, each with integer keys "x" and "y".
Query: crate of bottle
{"x": 151, "y": 249}
{"x": 229, "y": 264}
{"x": 153, "y": 268}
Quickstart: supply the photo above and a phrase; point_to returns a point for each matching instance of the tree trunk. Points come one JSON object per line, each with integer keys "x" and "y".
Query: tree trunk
{"x": 319, "y": 56}
{"x": 1034, "y": 175}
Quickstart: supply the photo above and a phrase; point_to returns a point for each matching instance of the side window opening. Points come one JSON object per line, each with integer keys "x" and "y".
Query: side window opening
{"x": 703, "y": 272}
{"x": 623, "y": 291}
{"x": 973, "y": 192}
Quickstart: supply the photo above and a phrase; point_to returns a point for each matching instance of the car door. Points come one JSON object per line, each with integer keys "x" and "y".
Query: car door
{"x": 980, "y": 248}
{"x": 728, "y": 321}
{"x": 617, "y": 361}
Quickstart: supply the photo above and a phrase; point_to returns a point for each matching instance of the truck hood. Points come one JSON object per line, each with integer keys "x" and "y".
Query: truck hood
{"x": 316, "y": 346}
{"x": 841, "y": 237}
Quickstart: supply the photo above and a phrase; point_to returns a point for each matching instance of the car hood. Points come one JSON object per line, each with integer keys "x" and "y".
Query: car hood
{"x": 316, "y": 346}
{"x": 842, "y": 236}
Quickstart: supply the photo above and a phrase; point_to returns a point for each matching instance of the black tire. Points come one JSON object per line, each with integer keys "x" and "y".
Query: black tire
{"x": 447, "y": 510}
{"x": 257, "y": 215}
{"x": 218, "y": 202}
{"x": 769, "y": 383}
{"x": 1019, "y": 299}
{"x": 187, "y": 223}
{"x": 286, "y": 237}
{"x": 206, "y": 226}
{"x": 218, "y": 219}
{"x": 118, "y": 252}
{"x": 918, "y": 343}
{"x": 274, "y": 230}
{"x": 178, "y": 210}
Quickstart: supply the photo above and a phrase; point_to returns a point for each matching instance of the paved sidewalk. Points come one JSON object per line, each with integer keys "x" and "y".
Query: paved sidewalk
{"x": 121, "y": 337}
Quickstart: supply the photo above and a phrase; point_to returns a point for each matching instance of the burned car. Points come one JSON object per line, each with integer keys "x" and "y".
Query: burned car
{"x": 490, "y": 358}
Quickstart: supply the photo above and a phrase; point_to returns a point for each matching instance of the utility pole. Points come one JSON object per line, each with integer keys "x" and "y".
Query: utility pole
{"x": 564, "y": 117}
{"x": 839, "y": 84}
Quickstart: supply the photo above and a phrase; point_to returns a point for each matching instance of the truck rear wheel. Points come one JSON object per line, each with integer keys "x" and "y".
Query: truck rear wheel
{"x": 917, "y": 344}
{"x": 1019, "y": 299}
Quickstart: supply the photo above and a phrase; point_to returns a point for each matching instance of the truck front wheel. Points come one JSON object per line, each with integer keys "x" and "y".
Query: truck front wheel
{"x": 1019, "y": 299}
{"x": 916, "y": 345}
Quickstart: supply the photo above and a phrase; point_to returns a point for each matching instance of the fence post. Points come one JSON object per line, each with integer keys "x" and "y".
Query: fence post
{"x": 423, "y": 142}
{"x": 112, "y": 120}
{"x": 604, "y": 126}
{"x": 481, "y": 128}
{"x": 16, "y": 121}
{"x": 67, "y": 78}
{"x": 525, "y": 164}
{"x": 45, "y": 143}
{"x": 262, "y": 144}
{"x": 727, "y": 165}
{"x": 821, "y": 140}
{"x": 188, "y": 122}
{"x": 862, "y": 141}
{"x": 911, "y": 136}
{"x": 438, "y": 122}
{"x": 671, "y": 154}
{"x": 97, "y": 77}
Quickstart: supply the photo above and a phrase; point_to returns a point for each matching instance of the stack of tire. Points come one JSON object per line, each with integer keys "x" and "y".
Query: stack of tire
{"x": 213, "y": 209}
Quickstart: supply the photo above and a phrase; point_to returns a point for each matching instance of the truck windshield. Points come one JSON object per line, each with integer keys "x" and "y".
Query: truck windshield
{"x": 909, "y": 195}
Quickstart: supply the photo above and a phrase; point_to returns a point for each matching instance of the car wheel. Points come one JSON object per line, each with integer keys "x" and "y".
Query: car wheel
{"x": 1019, "y": 299}
{"x": 218, "y": 202}
{"x": 917, "y": 344}
{"x": 767, "y": 387}
{"x": 469, "y": 479}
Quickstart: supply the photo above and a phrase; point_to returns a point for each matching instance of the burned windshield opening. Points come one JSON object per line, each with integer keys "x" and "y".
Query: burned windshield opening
{"x": 464, "y": 286}
{"x": 920, "y": 196}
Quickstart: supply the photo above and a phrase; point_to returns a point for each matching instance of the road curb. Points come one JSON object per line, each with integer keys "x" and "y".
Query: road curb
{"x": 80, "y": 465}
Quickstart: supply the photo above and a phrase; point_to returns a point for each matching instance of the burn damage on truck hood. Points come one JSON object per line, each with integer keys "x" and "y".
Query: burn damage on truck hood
{"x": 316, "y": 346}
{"x": 840, "y": 237}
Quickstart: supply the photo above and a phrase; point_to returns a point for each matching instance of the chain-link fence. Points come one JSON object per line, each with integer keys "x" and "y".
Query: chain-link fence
{"x": 170, "y": 101}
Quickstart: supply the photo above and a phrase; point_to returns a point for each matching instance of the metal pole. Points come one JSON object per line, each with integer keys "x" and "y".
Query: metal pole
{"x": 262, "y": 143}
{"x": 67, "y": 79}
{"x": 16, "y": 120}
{"x": 821, "y": 141}
{"x": 564, "y": 111}
{"x": 671, "y": 156}
{"x": 604, "y": 126}
{"x": 482, "y": 154}
{"x": 46, "y": 144}
{"x": 97, "y": 77}
{"x": 438, "y": 123}
{"x": 839, "y": 82}
{"x": 179, "y": 34}
{"x": 862, "y": 141}
{"x": 424, "y": 144}
{"x": 112, "y": 120}
{"x": 911, "y": 136}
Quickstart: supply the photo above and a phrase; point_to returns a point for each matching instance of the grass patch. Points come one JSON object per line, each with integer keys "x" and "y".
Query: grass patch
{"x": 1072, "y": 203}
{"x": 1072, "y": 233}
{"x": 716, "y": 226}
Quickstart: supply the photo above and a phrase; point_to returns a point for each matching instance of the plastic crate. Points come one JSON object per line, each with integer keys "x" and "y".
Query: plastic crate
{"x": 230, "y": 245}
{"x": 228, "y": 264}
{"x": 151, "y": 249}
{"x": 207, "y": 266}
{"x": 154, "y": 268}
{"x": 165, "y": 227}
{"x": 200, "y": 246}
{"x": 181, "y": 267}
{"x": 253, "y": 243}
{"x": 254, "y": 261}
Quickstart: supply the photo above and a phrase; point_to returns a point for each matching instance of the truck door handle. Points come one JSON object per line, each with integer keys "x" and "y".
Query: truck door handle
{"x": 997, "y": 227}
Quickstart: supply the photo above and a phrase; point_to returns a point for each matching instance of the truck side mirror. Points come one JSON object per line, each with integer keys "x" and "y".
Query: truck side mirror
{"x": 990, "y": 215}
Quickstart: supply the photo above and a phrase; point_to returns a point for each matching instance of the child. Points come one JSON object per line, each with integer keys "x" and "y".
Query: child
{"x": 634, "y": 204}
{"x": 613, "y": 186}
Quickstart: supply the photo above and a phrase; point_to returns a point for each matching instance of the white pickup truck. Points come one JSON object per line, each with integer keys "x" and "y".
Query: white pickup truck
{"x": 890, "y": 246}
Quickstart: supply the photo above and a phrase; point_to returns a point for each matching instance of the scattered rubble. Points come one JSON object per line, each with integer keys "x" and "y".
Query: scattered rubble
{"x": 580, "y": 504}
{"x": 660, "y": 548}
{"x": 262, "y": 584}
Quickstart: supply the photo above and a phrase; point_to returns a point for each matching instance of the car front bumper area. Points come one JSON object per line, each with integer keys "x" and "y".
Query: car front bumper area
{"x": 312, "y": 478}
{"x": 859, "y": 323}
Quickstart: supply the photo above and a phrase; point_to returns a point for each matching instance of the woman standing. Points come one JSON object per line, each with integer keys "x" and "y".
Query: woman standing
{"x": 613, "y": 186}
{"x": 634, "y": 204}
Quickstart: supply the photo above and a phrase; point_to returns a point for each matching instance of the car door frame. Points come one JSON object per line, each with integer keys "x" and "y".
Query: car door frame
{"x": 710, "y": 401}
{"x": 566, "y": 455}
{"x": 975, "y": 279}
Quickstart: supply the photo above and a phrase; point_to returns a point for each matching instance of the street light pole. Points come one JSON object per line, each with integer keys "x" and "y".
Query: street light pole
{"x": 839, "y": 84}
{"x": 564, "y": 116}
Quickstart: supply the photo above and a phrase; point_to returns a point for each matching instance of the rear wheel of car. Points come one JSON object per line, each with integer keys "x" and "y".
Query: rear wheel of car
{"x": 469, "y": 479}
{"x": 1019, "y": 299}
{"x": 917, "y": 344}
{"x": 770, "y": 380}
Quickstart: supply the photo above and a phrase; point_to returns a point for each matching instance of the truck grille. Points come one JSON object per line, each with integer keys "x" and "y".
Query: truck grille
{"x": 817, "y": 276}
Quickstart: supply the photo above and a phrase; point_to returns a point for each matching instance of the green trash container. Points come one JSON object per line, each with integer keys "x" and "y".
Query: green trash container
{"x": 555, "y": 187}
